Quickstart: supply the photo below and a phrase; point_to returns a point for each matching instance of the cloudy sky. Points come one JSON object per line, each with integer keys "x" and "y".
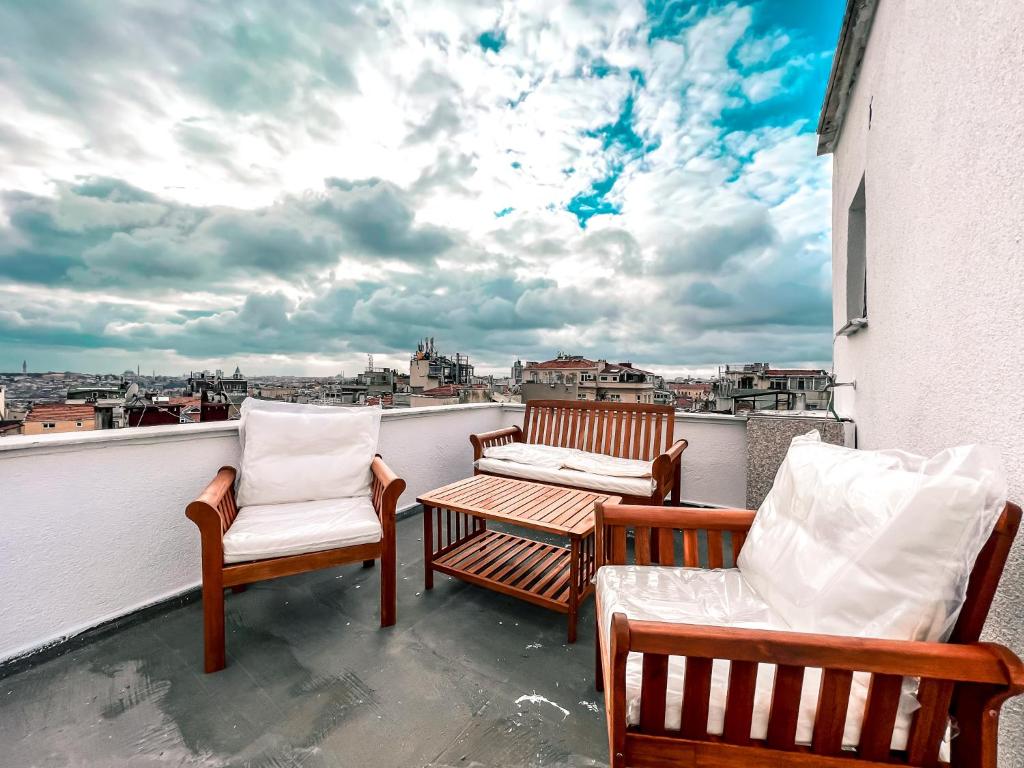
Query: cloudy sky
{"x": 288, "y": 187}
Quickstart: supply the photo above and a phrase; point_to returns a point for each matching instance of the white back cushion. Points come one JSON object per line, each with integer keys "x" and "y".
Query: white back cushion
{"x": 872, "y": 543}
{"x": 292, "y": 456}
{"x": 251, "y": 404}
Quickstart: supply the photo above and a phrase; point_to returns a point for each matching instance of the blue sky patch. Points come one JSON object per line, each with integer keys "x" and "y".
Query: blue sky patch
{"x": 492, "y": 40}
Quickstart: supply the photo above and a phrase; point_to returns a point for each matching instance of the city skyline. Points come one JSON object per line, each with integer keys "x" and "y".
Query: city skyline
{"x": 291, "y": 195}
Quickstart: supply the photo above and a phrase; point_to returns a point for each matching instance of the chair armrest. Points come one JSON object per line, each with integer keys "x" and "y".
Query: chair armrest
{"x": 484, "y": 440}
{"x": 666, "y": 466}
{"x": 975, "y": 677}
{"x": 214, "y": 510}
{"x": 674, "y": 452}
{"x": 387, "y": 488}
{"x": 654, "y": 530}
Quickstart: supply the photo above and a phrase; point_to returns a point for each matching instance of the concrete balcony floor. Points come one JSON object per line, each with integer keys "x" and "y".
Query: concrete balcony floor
{"x": 313, "y": 681}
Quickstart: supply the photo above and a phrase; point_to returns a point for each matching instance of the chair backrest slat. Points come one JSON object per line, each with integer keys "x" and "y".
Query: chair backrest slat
{"x": 653, "y": 686}
{"x": 785, "y": 707}
{"x": 929, "y": 726}
{"x": 739, "y": 701}
{"x": 696, "y": 697}
{"x": 988, "y": 568}
{"x": 830, "y": 718}
{"x": 880, "y": 716}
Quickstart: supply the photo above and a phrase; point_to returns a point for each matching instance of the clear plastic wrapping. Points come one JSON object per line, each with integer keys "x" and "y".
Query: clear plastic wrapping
{"x": 873, "y": 543}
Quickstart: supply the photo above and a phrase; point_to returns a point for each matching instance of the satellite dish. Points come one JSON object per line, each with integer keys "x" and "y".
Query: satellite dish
{"x": 132, "y": 393}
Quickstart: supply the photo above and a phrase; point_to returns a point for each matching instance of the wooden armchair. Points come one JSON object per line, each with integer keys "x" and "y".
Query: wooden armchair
{"x": 622, "y": 430}
{"x": 215, "y": 510}
{"x": 962, "y": 679}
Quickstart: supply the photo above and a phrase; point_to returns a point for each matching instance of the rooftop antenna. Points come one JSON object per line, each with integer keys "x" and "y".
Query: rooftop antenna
{"x": 132, "y": 393}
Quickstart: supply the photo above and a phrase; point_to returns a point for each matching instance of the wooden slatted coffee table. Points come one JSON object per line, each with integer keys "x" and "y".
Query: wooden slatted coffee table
{"x": 456, "y": 540}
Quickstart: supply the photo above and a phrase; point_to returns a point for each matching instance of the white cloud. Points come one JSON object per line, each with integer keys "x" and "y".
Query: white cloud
{"x": 239, "y": 119}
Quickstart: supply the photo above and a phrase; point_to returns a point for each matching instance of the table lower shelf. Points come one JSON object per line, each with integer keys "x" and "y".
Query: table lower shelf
{"x": 530, "y": 570}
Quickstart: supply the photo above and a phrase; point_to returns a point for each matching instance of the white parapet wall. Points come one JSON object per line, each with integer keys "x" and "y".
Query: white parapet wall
{"x": 94, "y": 528}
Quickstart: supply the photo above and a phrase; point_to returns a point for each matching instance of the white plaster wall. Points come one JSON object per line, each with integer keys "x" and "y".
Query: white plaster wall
{"x": 93, "y": 526}
{"x": 939, "y": 362}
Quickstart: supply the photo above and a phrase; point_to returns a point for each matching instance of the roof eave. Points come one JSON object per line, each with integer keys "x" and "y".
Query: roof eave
{"x": 853, "y": 38}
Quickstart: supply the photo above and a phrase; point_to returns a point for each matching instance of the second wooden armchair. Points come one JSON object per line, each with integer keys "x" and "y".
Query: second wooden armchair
{"x": 216, "y": 510}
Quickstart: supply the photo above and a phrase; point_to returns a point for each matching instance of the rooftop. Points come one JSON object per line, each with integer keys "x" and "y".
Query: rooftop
{"x": 312, "y": 680}
{"x": 60, "y": 412}
{"x": 564, "y": 362}
{"x": 101, "y": 655}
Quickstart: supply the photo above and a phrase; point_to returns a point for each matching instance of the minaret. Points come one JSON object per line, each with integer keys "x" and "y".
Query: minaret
{"x": 24, "y": 366}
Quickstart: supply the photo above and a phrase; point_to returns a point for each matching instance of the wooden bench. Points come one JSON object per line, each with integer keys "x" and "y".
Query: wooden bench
{"x": 962, "y": 678}
{"x": 626, "y": 431}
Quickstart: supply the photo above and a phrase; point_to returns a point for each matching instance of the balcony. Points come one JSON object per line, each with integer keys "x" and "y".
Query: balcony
{"x": 102, "y": 628}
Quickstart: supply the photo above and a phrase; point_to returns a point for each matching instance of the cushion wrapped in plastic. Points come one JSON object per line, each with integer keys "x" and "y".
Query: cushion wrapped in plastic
{"x": 569, "y": 466}
{"x": 290, "y": 455}
{"x": 872, "y": 543}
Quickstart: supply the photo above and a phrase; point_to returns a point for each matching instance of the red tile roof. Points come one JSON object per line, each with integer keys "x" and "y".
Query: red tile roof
{"x": 60, "y": 412}
{"x": 562, "y": 363}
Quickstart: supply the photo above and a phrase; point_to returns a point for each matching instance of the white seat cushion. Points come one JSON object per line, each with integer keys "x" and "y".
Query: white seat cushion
{"x": 275, "y": 530}
{"x": 720, "y": 598}
{"x": 872, "y": 543}
{"x": 569, "y": 466}
{"x": 292, "y": 456}
{"x": 625, "y": 486}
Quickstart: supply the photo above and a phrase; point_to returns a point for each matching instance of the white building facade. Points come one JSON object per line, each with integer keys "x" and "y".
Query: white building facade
{"x": 927, "y": 136}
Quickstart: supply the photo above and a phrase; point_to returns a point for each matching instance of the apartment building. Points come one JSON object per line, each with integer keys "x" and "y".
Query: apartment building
{"x": 53, "y": 418}
{"x": 429, "y": 369}
{"x": 756, "y": 386}
{"x": 574, "y": 377}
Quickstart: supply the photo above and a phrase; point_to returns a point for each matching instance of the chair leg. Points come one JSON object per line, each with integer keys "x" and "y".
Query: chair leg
{"x": 598, "y": 667}
{"x": 368, "y": 563}
{"x": 213, "y": 626}
{"x": 388, "y": 585}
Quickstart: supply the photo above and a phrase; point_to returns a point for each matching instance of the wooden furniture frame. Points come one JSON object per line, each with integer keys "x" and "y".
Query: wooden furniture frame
{"x": 624, "y": 430}
{"x": 456, "y": 540}
{"x": 963, "y": 678}
{"x": 214, "y": 511}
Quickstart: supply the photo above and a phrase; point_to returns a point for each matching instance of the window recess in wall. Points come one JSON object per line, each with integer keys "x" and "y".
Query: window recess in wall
{"x": 856, "y": 266}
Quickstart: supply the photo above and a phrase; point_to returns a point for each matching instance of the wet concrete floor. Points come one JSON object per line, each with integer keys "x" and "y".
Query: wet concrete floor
{"x": 467, "y": 678}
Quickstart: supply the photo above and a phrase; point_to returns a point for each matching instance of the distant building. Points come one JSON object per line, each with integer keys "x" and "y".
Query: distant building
{"x": 144, "y": 412}
{"x": 758, "y": 386}
{"x": 24, "y": 366}
{"x": 451, "y": 394}
{"x": 54, "y": 418}
{"x": 236, "y": 384}
{"x": 203, "y": 381}
{"x": 517, "y": 372}
{"x": 428, "y": 369}
{"x": 3, "y": 403}
{"x": 692, "y": 395}
{"x": 574, "y": 377}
